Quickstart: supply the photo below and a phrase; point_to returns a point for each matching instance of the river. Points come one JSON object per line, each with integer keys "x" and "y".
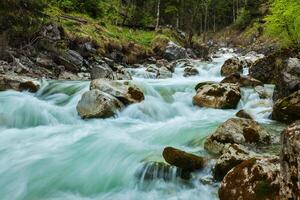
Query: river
{"x": 48, "y": 152}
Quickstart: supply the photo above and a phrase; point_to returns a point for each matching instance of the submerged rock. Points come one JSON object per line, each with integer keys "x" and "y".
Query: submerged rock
{"x": 287, "y": 109}
{"x": 18, "y": 83}
{"x": 223, "y": 96}
{"x": 231, "y": 66}
{"x": 125, "y": 91}
{"x": 190, "y": 71}
{"x": 243, "y": 114}
{"x": 236, "y": 131}
{"x": 97, "y": 104}
{"x": 253, "y": 179}
{"x": 151, "y": 171}
{"x": 242, "y": 80}
{"x": 289, "y": 162}
{"x": 183, "y": 160}
{"x": 262, "y": 92}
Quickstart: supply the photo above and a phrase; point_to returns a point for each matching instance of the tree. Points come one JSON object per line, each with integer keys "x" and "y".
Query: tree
{"x": 284, "y": 22}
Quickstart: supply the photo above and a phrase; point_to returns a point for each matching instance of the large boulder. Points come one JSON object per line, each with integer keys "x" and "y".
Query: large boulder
{"x": 125, "y": 91}
{"x": 183, "y": 160}
{"x": 121, "y": 73}
{"x": 242, "y": 80}
{"x": 237, "y": 131}
{"x": 224, "y": 96}
{"x": 231, "y": 66}
{"x": 97, "y": 104}
{"x": 290, "y": 162}
{"x": 287, "y": 109}
{"x": 18, "y": 83}
{"x": 174, "y": 52}
{"x": 288, "y": 79}
{"x": 231, "y": 157}
{"x": 253, "y": 179}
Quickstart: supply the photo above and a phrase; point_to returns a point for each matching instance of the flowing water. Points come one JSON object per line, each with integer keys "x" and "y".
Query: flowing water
{"x": 48, "y": 152}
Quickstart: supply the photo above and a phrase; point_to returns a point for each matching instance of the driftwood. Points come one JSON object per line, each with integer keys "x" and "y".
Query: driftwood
{"x": 77, "y": 19}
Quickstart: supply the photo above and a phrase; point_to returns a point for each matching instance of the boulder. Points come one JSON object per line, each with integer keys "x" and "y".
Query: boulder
{"x": 51, "y": 32}
{"x": 287, "y": 109}
{"x": 125, "y": 92}
{"x": 121, "y": 73}
{"x": 97, "y": 104}
{"x": 18, "y": 83}
{"x": 160, "y": 72}
{"x": 231, "y": 66}
{"x": 223, "y": 96}
{"x": 253, "y": 179}
{"x": 243, "y": 114}
{"x": 183, "y": 160}
{"x": 204, "y": 83}
{"x": 289, "y": 79}
{"x": 174, "y": 52}
{"x": 290, "y": 162}
{"x": 231, "y": 157}
{"x": 237, "y": 131}
{"x": 71, "y": 60}
{"x": 190, "y": 71}
{"x": 87, "y": 49}
{"x": 102, "y": 71}
{"x": 45, "y": 62}
{"x": 151, "y": 171}
{"x": 242, "y": 80}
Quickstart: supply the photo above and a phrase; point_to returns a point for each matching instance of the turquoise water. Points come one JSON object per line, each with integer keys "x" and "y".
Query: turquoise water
{"x": 48, "y": 152}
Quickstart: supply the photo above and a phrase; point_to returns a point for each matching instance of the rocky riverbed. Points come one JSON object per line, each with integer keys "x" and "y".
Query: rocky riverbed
{"x": 181, "y": 127}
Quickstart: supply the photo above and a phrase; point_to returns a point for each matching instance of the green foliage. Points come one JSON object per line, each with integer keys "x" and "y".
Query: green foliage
{"x": 20, "y": 19}
{"x": 284, "y": 22}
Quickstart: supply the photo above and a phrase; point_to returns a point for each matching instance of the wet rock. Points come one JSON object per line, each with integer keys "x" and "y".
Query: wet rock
{"x": 253, "y": 179}
{"x": 183, "y": 160}
{"x": 71, "y": 60}
{"x": 223, "y": 96}
{"x": 174, "y": 52}
{"x": 97, "y": 104}
{"x": 125, "y": 92}
{"x": 287, "y": 109}
{"x": 242, "y": 80}
{"x": 199, "y": 85}
{"x": 243, "y": 114}
{"x": 261, "y": 91}
{"x": 166, "y": 64}
{"x": 190, "y": 71}
{"x": 231, "y": 66}
{"x": 121, "y": 73}
{"x": 237, "y": 131}
{"x": 151, "y": 171}
{"x": 289, "y": 162}
{"x": 231, "y": 157}
{"x": 102, "y": 71}
{"x": 289, "y": 79}
{"x": 160, "y": 72}
{"x": 18, "y": 83}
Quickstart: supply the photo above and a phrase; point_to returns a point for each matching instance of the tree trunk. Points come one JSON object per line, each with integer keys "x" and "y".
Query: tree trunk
{"x": 158, "y": 14}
